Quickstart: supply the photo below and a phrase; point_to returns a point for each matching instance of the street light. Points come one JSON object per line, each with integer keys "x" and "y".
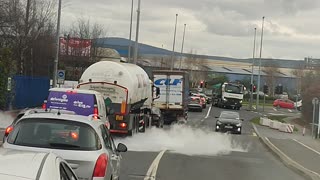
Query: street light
{"x": 130, "y": 34}
{"x": 253, "y": 58}
{"x": 56, "y": 59}
{"x": 174, "y": 43}
{"x": 184, "y": 33}
{"x": 259, "y": 77}
{"x": 135, "y": 56}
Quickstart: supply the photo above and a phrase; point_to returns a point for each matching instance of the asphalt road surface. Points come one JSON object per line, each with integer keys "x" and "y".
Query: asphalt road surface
{"x": 257, "y": 163}
{"x": 253, "y": 163}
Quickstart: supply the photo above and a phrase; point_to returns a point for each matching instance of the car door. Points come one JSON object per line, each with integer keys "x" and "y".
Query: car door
{"x": 114, "y": 156}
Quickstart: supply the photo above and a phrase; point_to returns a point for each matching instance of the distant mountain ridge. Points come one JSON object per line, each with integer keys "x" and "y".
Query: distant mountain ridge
{"x": 122, "y": 44}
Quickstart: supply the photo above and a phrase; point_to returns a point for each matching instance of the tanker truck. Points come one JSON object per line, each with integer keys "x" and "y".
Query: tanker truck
{"x": 127, "y": 92}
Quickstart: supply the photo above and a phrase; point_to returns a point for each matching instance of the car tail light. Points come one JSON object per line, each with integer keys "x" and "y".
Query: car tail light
{"x": 71, "y": 92}
{"x": 123, "y": 125}
{"x": 44, "y": 105}
{"x": 95, "y": 110}
{"x": 101, "y": 166}
{"x": 8, "y": 130}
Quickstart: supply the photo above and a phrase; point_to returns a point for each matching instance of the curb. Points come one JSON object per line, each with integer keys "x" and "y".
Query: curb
{"x": 287, "y": 161}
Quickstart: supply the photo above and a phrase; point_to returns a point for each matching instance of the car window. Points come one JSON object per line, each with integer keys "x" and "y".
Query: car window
{"x": 63, "y": 173}
{"x": 105, "y": 137}
{"x": 54, "y": 134}
{"x": 68, "y": 171}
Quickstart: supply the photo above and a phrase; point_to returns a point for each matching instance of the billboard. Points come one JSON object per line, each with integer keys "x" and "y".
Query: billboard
{"x": 75, "y": 47}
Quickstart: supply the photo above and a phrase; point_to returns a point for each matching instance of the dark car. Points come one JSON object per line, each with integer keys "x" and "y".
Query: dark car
{"x": 229, "y": 121}
{"x": 195, "y": 104}
{"x": 156, "y": 117}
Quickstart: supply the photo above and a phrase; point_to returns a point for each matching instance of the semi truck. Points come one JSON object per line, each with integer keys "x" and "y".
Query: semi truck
{"x": 127, "y": 91}
{"x": 228, "y": 94}
{"x": 174, "y": 94}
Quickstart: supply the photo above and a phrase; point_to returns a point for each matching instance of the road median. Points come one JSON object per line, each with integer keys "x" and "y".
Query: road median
{"x": 290, "y": 163}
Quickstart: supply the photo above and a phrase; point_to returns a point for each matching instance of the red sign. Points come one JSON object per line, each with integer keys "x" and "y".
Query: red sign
{"x": 75, "y": 47}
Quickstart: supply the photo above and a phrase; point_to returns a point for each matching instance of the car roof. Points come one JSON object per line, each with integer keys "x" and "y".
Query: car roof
{"x": 22, "y": 164}
{"x": 68, "y": 117}
{"x": 82, "y": 91}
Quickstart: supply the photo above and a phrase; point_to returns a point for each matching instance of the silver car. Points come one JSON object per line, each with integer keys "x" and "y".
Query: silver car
{"x": 84, "y": 142}
{"x": 22, "y": 165}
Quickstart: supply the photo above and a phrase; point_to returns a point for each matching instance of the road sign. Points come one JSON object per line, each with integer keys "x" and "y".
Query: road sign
{"x": 9, "y": 84}
{"x": 61, "y": 75}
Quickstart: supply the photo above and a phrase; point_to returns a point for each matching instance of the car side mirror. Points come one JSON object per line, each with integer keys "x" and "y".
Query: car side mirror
{"x": 216, "y": 116}
{"x": 122, "y": 148}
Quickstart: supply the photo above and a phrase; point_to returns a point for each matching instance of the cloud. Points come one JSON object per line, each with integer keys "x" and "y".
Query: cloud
{"x": 214, "y": 27}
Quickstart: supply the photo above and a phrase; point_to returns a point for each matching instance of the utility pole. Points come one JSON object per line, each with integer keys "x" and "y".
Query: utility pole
{"x": 130, "y": 34}
{"x": 174, "y": 43}
{"x": 252, "y": 66}
{"x": 259, "y": 77}
{"x": 135, "y": 56}
{"x": 184, "y": 33}
{"x": 56, "y": 59}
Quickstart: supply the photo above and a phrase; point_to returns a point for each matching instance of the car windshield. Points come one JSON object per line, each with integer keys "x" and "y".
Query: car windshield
{"x": 229, "y": 115}
{"x": 54, "y": 134}
{"x": 230, "y": 88}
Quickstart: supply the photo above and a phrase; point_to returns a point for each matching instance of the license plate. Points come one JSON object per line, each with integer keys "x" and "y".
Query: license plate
{"x": 229, "y": 127}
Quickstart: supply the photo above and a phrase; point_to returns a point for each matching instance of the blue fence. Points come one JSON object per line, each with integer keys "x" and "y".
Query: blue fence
{"x": 29, "y": 91}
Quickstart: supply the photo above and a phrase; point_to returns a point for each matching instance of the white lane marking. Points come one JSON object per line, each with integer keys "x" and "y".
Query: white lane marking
{"x": 152, "y": 171}
{"x": 287, "y": 157}
{"x": 289, "y": 110}
{"x": 254, "y": 134}
{"x": 276, "y": 114}
{"x": 307, "y": 146}
{"x": 207, "y": 114}
{"x": 275, "y": 109}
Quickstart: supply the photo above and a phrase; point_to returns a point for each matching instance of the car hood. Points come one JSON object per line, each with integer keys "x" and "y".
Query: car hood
{"x": 229, "y": 121}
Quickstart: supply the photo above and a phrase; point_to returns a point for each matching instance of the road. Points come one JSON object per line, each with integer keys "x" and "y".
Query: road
{"x": 251, "y": 163}
{"x": 194, "y": 151}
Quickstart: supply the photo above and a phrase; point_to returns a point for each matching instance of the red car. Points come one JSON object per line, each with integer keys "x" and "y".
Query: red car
{"x": 284, "y": 103}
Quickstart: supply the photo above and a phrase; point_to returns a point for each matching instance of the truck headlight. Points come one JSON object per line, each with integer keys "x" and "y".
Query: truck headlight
{"x": 241, "y": 101}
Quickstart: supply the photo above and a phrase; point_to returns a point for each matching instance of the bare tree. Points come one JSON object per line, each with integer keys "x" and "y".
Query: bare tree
{"x": 84, "y": 29}
{"x": 271, "y": 71}
{"x": 22, "y": 22}
{"x": 299, "y": 74}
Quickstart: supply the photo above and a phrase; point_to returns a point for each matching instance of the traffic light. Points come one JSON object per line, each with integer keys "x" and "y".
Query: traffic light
{"x": 265, "y": 89}
{"x": 201, "y": 84}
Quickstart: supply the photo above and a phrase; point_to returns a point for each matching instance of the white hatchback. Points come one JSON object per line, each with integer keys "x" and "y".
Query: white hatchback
{"x": 23, "y": 165}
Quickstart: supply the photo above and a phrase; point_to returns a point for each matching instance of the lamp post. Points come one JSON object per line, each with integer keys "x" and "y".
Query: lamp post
{"x": 184, "y": 33}
{"x": 135, "y": 56}
{"x": 174, "y": 43}
{"x": 130, "y": 33}
{"x": 259, "y": 76}
{"x": 56, "y": 59}
{"x": 252, "y": 66}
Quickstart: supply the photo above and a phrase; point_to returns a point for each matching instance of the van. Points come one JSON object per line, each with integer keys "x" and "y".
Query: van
{"x": 81, "y": 102}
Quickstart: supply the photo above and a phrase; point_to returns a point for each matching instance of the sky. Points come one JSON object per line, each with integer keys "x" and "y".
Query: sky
{"x": 213, "y": 27}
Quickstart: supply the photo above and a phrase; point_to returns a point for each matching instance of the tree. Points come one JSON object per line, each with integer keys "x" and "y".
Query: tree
{"x": 83, "y": 28}
{"x": 21, "y": 24}
{"x": 298, "y": 73}
{"x": 271, "y": 71}
{"x": 6, "y": 70}
{"x": 197, "y": 69}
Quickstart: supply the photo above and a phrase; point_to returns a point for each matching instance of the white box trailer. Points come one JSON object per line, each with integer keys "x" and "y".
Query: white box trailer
{"x": 174, "y": 93}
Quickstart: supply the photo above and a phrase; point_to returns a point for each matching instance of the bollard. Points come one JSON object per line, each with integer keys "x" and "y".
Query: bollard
{"x": 303, "y": 131}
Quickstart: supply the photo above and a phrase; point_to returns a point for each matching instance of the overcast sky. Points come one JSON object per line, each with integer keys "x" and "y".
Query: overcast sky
{"x": 214, "y": 27}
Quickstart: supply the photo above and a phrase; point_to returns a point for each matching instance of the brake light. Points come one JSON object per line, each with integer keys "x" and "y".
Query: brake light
{"x": 123, "y": 125}
{"x": 101, "y": 166}
{"x": 123, "y": 107}
{"x": 71, "y": 92}
{"x": 95, "y": 110}
{"x": 74, "y": 135}
{"x": 8, "y": 130}
{"x": 44, "y": 105}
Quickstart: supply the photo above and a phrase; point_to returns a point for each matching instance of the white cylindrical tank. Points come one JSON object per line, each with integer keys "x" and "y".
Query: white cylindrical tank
{"x": 130, "y": 76}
